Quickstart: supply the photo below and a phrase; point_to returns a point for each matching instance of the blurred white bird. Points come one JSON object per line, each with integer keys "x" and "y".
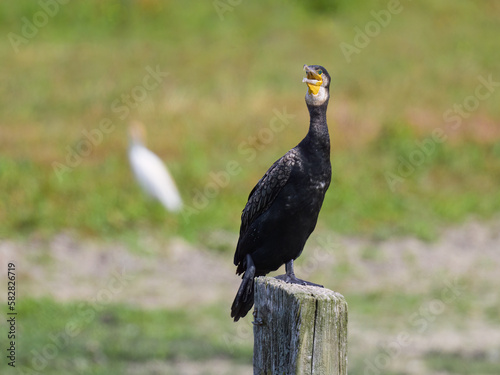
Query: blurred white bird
{"x": 151, "y": 172}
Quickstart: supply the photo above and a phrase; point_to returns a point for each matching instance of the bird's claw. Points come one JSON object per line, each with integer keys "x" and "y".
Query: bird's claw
{"x": 291, "y": 279}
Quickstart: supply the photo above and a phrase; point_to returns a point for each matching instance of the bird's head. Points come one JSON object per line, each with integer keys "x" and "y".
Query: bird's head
{"x": 318, "y": 82}
{"x": 137, "y": 132}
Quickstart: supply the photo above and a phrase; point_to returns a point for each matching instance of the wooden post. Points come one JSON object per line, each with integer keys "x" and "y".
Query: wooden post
{"x": 298, "y": 330}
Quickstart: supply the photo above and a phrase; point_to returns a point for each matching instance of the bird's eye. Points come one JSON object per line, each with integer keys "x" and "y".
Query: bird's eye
{"x": 320, "y": 72}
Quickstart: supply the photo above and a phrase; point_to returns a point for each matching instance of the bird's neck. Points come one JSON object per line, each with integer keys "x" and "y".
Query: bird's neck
{"x": 318, "y": 135}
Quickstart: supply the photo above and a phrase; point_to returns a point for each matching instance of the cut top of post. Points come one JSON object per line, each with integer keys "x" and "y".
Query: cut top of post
{"x": 299, "y": 329}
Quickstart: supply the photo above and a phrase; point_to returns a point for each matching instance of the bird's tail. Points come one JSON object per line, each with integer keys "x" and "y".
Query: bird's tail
{"x": 243, "y": 301}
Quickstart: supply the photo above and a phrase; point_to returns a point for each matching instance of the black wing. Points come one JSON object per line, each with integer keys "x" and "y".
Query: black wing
{"x": 264, "y": 193}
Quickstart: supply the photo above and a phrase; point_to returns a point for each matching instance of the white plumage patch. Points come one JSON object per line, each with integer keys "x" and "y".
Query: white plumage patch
{"x": 153, "y": 177}
{"x": 318, "y": 99}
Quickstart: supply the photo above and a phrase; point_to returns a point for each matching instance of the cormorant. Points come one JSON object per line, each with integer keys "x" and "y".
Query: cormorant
{"x": 282, "y": 209}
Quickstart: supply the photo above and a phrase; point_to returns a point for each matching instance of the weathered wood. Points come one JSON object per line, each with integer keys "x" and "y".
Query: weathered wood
{"x": 298, "y": 329}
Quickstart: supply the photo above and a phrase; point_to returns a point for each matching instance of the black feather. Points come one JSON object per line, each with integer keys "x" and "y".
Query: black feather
{"x": 282, "y": 209}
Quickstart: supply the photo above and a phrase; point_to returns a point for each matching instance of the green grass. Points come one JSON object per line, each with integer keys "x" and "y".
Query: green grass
{"x": 455, "y": 363}
{"x": 99, "y": 338}
{"x": 440, "y": 191}
{"x": 225, "y": 79}
{"x": 106, "y": 338}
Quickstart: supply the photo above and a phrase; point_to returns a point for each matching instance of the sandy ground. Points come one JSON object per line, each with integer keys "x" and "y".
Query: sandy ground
{"x": 165, "y": 274}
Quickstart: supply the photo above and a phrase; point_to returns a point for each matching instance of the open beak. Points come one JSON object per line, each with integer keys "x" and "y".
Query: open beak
{"x": 313, "y": 80}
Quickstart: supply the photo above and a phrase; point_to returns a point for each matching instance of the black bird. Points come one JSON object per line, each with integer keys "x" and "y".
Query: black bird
{"x": 282, "y": 209}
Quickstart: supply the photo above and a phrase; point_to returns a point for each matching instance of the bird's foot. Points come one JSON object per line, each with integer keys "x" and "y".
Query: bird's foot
{"x": 292, "y": 279}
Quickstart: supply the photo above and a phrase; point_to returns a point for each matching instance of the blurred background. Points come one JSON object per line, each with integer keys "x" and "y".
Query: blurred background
{"x": 109, "y": 282}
